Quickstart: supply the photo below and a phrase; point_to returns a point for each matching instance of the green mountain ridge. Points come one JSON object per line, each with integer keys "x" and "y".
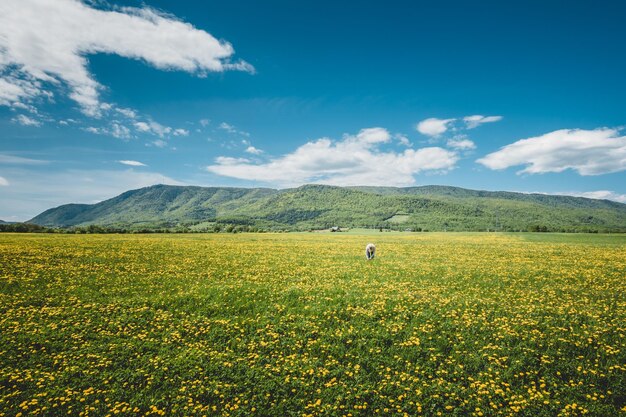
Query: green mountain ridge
{"x": 321, "y": 206}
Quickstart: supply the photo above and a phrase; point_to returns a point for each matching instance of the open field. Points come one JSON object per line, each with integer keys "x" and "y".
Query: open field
{"x": 300, "y": 324}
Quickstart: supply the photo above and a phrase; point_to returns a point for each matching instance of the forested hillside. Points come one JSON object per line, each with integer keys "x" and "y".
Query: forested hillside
{"x": 320, "y": 206}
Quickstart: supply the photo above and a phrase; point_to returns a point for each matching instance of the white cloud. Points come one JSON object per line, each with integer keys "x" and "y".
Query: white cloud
{"x": 254, "y": 151}
{"x": 18, "y": 160}
{"x": 589, "y": 152}
{"x": 130, "y": 113}
{"x": 181, "y": 132}
{"x": 354, "y": 160}
{"x": 433, "y": 126}
{"x": 403, "y": 139}
{"x": 132, "y": 163}
{"x": 142, "y": 126}
{"x": 598, "y": 195}
{"x": 120, "y": 131}
{"x": 232, "y": 129}
{"x": 227, "y": 127}
{"x": 155, "y": 128}
{"x": 116, "y": 130}
{"x": 474, "y": 121}
{"x": 67, "y": 122}
{"x": 227, "y": 160}
{"x": 204, "y": 122}
{"x": 4, "y": 182}
{"x": 26, "y": 121}
{"x": 461, "y": 143}
{"x": 31, "y": 192}
{"x": 94, "y": 130}
{"x": 13, "y": 90}
{"x": 45, "y": 43}
{"x": 159, "y": 143}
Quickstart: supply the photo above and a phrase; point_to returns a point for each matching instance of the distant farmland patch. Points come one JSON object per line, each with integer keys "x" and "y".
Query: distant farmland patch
{"x": 399, "y": 218}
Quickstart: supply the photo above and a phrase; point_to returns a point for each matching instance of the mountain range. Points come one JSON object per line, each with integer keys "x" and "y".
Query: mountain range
{"x": 322, "y": 206}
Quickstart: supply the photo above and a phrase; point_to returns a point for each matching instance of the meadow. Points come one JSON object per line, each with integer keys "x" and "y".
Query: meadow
{"x": 299, "y": 324}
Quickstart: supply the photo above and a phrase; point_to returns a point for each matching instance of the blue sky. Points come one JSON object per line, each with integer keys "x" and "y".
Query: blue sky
{"x": 97, "y": 98}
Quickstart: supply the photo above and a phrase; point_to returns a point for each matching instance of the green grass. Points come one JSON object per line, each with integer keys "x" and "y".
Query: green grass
{"x": 300, "y": 324}
{"x": 401, "y": 218}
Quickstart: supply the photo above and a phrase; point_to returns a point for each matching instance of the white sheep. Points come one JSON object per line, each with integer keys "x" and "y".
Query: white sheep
{"x": 370, "y": 251}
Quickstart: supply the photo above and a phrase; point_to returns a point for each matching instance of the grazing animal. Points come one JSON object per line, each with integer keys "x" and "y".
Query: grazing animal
{"x": 370, "y": 251}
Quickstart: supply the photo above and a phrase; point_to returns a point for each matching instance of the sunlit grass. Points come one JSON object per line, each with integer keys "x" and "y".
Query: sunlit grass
{"x": 301, "y": 324}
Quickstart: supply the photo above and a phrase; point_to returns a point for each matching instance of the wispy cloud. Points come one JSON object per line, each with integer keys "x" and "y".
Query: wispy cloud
{"x": 44, "y": 44}
{"x": 18, "y": 160}
{"x": 26, "y": 121}
{"x": 598, "y": 195}
{"x": 130, "y": 113}
{"x": 227, "y": 127}
{"x": 115, "y": 129}
{"x": 157, "y": 129}
{"x": 232, "y": 129}
{"x": 354, "y": 160}
{"x": 588, "y": 152}
{"x": 403, "y": 140}
{"x": 132, "y": 163}
{"x": 159, "y": 143}
{"x": 474, "y": 121}
{"x": 4, "y": 182}
{"x": 435, "y": 127}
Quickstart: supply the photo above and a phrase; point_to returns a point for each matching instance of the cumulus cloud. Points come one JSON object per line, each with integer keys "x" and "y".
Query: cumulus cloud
{"x": 132, "y": 163}
{"x": 433, "y": 126}
{"x": 474, "y": 121}
{"x": 120, "y": 131}
{"x": 95, "y": 130}
{"x": 4, "y": 182}
{"x": 461, "y": 143}
{"x": 354, "y": 160}
{"x": 26, "y": 121}
{"x": 181, "y": 132}
{"x": 254, "y": 151}
{"x": 588, "y": 152}
{"x": 204, "y": 122}
{"x": 46, "y": 43}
